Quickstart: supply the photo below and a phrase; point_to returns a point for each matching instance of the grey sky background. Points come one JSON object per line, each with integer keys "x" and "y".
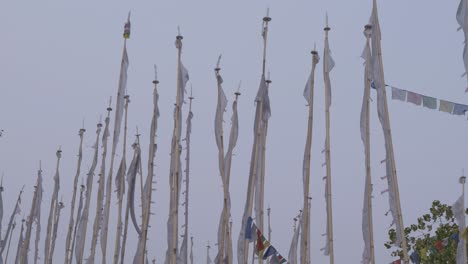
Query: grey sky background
{"x": 60, "y": 61}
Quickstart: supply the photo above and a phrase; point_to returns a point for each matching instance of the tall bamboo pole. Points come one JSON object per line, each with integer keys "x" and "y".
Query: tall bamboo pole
{"x": 327, "y": 152}
{"x": 117, "y": 125}
{"x": 187, "y": 181}
{"x": 9, "y": 242}
{"x": 118, "y": 232}
{"x": 208, "y": 260}
{"x": 25, "y": 246}
{"x": 266, "y": 20}
{"x": 176, "y": 151}
{"x": 306, "y": 221}
{"x": 222, "y": 168}
{"x": 82, "y": 189}
{"x": 72, "y": 207}
{"x": 390, "y": 143}
{"x": 54, "y": 206}
{"x": 191, "y": 250}
{"x": 258, "y": 138}
{"x": 101, "y": 181}
{"x": 149, "y": 180}
{"x": 127, "y": 209}
{"x": 367, "y": 152}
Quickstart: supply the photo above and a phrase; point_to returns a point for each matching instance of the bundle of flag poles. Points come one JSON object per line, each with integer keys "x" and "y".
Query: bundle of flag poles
{"x": 126, "y": 179}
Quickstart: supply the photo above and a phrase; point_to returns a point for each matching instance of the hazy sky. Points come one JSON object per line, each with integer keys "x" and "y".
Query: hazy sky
{"x": 59, "y": 63}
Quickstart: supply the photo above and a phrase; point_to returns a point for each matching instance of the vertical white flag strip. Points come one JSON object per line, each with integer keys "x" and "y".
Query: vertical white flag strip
{"x": 148, "y": 189}
{"x": 59, "y": 208}
{"x": 53, "y": 210}
{"x": 328, "y": 65}
{"x": 255, "y": 184}
{"x": 309, "y": 96}
{"x": 458, "y": 209}
{"x": 131, "y": 181}
{"x": 367, "y": 232}
{"x": 72, "y": 207}
{"x": 120, "y": 102}
{"x": 120, "y": 186}
{"x": 36, "y": 218}
{"x": 100, "y": 194}
{"x": 263, "y": 97}
{"x": 183, "y": 254}
{"x": 79, "y": 214}
{"x": 218, "y": 128}
{"x": 462, "y": 19}
{"x": 175, "y": 167}
{"x": 227, "y": 172}
{"x": 378, "y": 83}
{"x": 292, "y": 256}
{"x": 84, "y": 216}
{"x": 191, "y": 250}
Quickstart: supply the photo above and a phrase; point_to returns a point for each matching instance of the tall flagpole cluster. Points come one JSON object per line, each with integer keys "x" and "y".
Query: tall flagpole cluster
{"x": 71, "y": 223}
{"x": 119, "y": 109}
{"x": 309, "y": 96}
{"x": 382, "y": 109}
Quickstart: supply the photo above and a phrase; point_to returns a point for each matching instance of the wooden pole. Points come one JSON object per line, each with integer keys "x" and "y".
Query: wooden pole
{"x": 105, "y": 223}
{"x": 306, "y": 222}
{"x": 208, "y": 261}
{"x": 127, "y": 214}
{"x": 327, "y": 149}
{"x": 260, "y": 221}
{"x": 390, "y": 143}
{"x": 9, "y": 243}
{"x": 176, "y": 150}
{"x": 222, "y": 169}
{"x": 258, "y": 136}
{"x": 52, "y": 214}
{"x": 82, "y": 189}
{"x": 101, "y": 182}
{"x": 25, "y": 246}
{"x": 72, "y": 207}
{"x": 152, "y": 150}
{"x": 367, "y": 150}
{"x": 187, "y": 183}
{"x": 191, "y": 250}
{"x": 118, "y": 232}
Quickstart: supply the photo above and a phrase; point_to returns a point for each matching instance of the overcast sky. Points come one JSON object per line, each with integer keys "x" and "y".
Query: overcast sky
{"x": 59, "y": 63}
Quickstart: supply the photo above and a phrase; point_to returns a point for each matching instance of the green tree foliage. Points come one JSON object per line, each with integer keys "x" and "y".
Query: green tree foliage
{"x": 433, "y": 237}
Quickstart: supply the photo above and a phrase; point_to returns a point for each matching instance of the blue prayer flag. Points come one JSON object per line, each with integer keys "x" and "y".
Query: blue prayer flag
{"x": 269, "y": 252}
{"x": 248, "y": 228}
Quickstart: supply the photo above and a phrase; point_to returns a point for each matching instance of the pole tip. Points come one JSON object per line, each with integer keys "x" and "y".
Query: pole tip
{"x": 462, "y": 179}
